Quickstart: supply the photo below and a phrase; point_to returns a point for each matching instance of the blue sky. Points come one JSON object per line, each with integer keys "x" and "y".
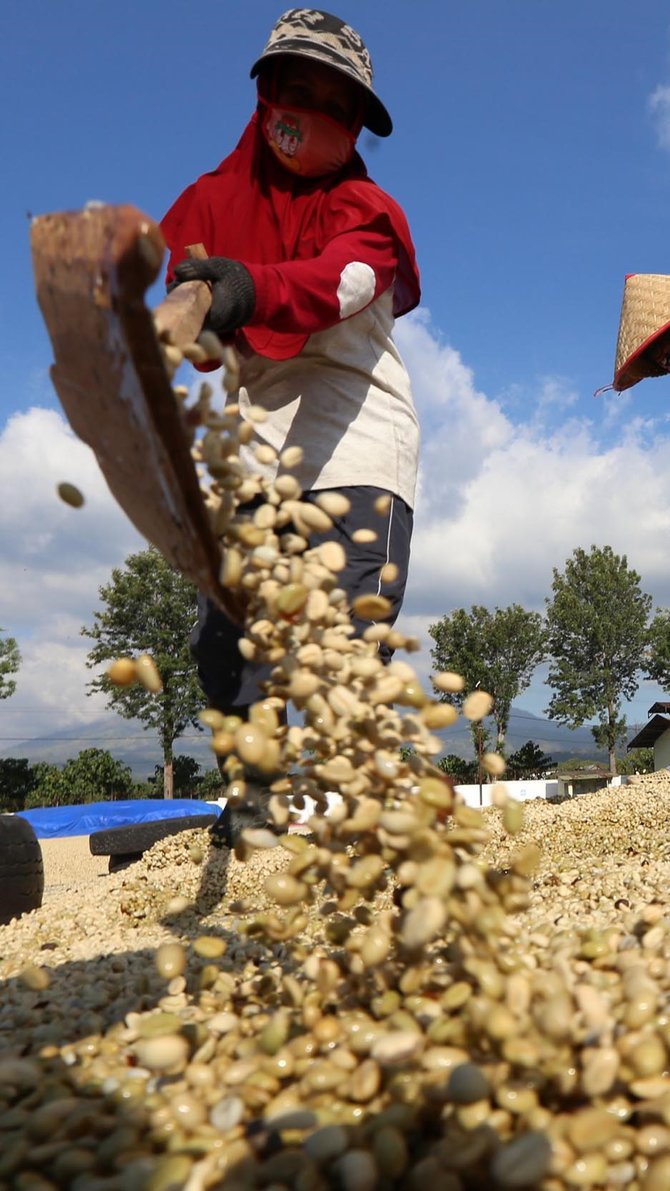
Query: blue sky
{"x": 531, "y": 153}
{"x": 524, "y": 152}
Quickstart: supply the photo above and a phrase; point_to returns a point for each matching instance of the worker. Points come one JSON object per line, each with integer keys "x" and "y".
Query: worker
{"x": 310, "y": 263}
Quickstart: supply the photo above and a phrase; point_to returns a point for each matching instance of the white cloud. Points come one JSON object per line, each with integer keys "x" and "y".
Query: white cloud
{"x": 659, "y": 106}
{"x": 459, "y": 424}
{"x": 54, "y": 674}
{"x": 53, "y": 558}
{"x": 501, "y": 503}
{"x": 47, "y": 548}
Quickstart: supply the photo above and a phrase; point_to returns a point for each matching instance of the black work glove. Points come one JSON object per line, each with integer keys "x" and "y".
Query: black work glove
{"x": 233, "y": 291}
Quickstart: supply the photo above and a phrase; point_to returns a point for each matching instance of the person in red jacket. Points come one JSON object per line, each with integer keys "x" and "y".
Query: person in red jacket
{"x": 310, "y": 263}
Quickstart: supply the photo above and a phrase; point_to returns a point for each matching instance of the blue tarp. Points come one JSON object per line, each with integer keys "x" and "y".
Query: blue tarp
{"x": 52, "y": 822}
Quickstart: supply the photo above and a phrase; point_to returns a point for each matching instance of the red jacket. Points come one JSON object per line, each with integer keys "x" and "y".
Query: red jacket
{"x": 297, "y": 238}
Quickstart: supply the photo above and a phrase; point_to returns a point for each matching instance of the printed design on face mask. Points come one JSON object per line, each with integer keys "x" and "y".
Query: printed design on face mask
{"x": 286, "y": 134}
{"x": 306, "y": 142}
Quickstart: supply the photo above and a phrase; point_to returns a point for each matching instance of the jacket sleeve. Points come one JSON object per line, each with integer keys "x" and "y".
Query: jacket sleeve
{"x": 306, "y": 296}
{"x": 186, "y": 222}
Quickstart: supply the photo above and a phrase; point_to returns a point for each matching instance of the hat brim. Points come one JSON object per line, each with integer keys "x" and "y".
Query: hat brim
{"x": 640, "y": 366}
{"x": 376, "y": 117}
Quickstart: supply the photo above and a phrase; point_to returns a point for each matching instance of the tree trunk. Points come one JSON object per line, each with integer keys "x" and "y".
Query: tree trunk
{"x": 168, "y": 771}
{"x": 612, "y": 741}
{"x": 478, "y": 734}
{"x": 500, "y": 737}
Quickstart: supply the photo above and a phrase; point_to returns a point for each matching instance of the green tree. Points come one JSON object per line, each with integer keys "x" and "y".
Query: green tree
{"x": 211, "y": 785}
{"x": 657, "y": 660}
{"x": 94, "y": 775}
{"x": 497, "y": 651}
{"x": 462, "y": 771}
{"x": 49, "y": 788}
{"x": 578, "y": 765}
{"x": 636, "y": 761}
{"x": 597, "y": 635}
{"x": 186, "y": 775}
{"x": 148, "y": 608}
{"x": 528, "y": 762}
{"x": 17, "y": 779}
{"x": 10, "y": 660}
{"x": 189, "y": 779}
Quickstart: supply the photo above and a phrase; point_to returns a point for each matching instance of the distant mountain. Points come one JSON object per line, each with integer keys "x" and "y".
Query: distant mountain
{"x": 127, "y": 740}
{"x": 554, "y": 739}
{"x": 130, "y": 742}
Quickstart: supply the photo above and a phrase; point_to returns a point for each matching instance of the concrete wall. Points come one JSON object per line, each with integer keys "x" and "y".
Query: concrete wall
{"x": 662, "y": 751}
{"x": 470, "y": 794}
{"x": 522, "y": 791}
{"x": 570, "y": 787}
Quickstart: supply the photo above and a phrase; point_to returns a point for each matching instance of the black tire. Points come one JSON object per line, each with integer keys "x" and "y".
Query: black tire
{"x": 137, "y": 837}
{"x": 21, "y": 868}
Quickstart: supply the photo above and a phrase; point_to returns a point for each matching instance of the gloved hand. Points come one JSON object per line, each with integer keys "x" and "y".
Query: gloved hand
{"x": 233, "y": 291}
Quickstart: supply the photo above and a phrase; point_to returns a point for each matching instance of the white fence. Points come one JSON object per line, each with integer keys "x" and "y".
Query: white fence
{"x": 471, "y": 794}
{"x": 476, "y": 795}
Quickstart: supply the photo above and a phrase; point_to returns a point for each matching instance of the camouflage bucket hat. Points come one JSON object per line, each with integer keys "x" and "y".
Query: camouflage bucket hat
{"x": 310, "y": 33}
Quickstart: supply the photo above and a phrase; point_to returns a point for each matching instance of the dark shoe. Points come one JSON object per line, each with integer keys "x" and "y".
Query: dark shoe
{"x": 253, "y": 812}
{"x": 221, "y": 832}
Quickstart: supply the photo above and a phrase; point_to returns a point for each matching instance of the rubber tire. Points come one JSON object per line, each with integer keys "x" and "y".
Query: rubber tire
{"x": 21, "y": 868}
{"x": 137, "y": 837}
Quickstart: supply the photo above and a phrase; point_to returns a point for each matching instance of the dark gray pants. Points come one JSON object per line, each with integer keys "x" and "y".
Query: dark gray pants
{"x": 229, "y": 682}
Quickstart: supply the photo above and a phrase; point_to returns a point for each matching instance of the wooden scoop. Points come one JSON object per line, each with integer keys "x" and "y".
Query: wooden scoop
{"x": 92, "y": 269}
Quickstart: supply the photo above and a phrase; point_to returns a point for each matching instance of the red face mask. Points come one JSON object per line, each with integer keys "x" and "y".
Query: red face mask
{"x": 307, "y": 143}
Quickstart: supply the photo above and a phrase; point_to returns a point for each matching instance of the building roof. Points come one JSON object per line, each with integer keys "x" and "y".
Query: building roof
{"x": 664, "y": 708}
{"x": 651, "y": 732}
{"x": 589, "y": 772}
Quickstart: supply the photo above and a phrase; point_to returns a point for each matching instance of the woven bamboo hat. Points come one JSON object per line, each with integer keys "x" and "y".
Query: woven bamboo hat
{"x": 645, "y": 317}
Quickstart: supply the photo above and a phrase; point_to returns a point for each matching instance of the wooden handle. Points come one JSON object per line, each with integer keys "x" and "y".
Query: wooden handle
{"x": 179, "y": 318}
{"x": 92, "y": 269}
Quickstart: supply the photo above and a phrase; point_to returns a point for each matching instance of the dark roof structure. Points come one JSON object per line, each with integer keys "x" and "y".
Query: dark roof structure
{"x": 663, "y": 708}
{"x": 647, "y": 738}
{"x": 587, "y": 773}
